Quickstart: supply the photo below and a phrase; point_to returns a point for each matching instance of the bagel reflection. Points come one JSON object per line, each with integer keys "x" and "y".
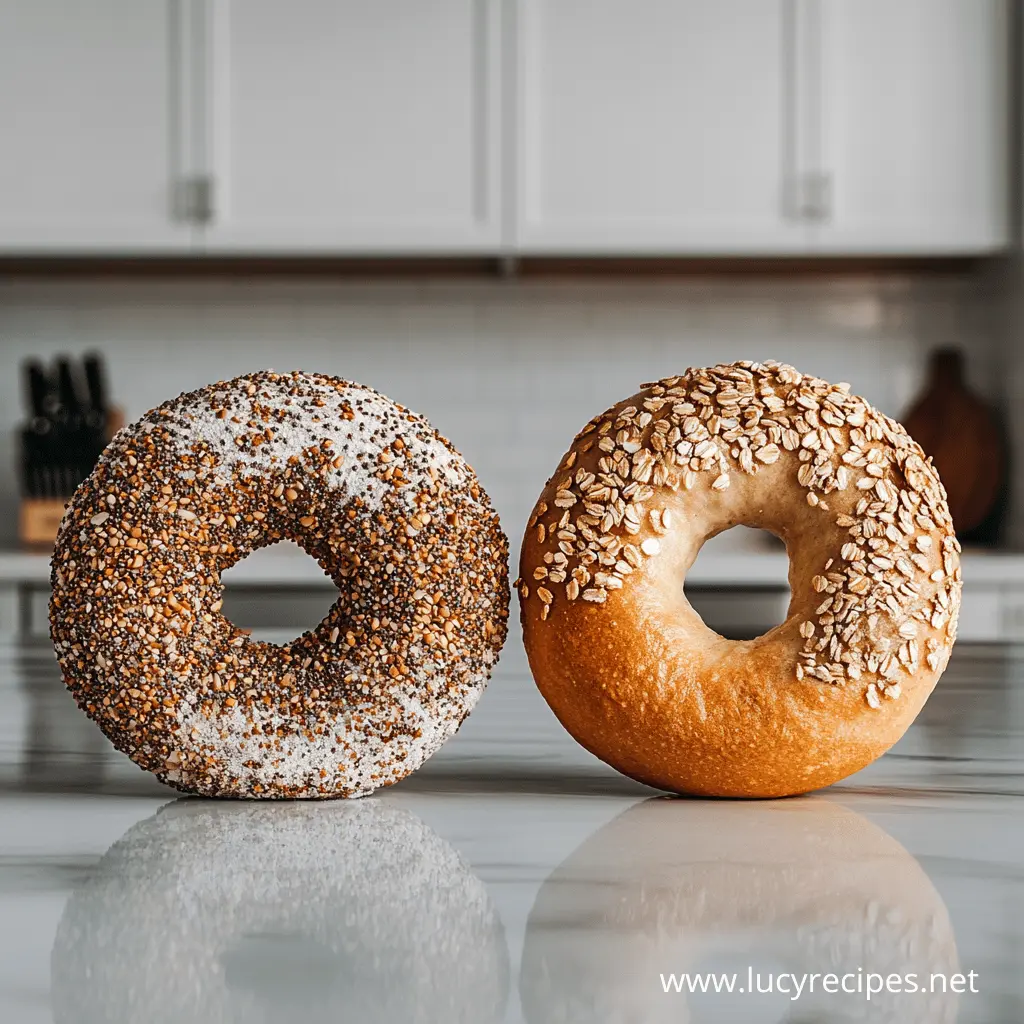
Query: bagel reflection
{"x": 676, "y": 886}
{"x": 241, "y": 912}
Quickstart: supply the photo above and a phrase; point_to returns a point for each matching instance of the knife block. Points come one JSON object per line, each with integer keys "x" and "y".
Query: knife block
{"x": 39, "y": 518}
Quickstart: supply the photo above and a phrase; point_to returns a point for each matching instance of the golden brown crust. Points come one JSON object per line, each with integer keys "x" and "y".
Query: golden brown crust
{"x": 628, "y": 666}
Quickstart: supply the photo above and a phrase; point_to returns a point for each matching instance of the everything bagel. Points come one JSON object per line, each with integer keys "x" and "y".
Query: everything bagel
{"x": 372, "y": 492}
{"x": 628, "y": 666}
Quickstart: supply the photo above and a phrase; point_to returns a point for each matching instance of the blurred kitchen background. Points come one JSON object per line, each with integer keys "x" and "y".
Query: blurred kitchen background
{"x": 506, "y": 214}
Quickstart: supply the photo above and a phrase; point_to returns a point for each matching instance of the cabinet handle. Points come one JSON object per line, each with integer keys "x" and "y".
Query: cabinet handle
{"x": 813, "y": 199}
{"x": 808, "y": 196}
{"x": 194, "y": 200}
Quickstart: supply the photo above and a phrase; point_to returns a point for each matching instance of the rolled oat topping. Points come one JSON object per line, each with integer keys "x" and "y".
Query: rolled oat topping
{"x": 894, "y": 578}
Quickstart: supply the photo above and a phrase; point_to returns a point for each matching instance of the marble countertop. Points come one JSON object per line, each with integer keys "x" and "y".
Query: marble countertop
{"x": 514, "y": 878}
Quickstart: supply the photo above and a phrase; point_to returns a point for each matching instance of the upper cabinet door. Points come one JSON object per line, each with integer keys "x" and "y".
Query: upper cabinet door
{"x": 915, "y": 125}
{"x": 354, "y": 127}
{"x": 655, "y": 126}
{"x": 88, "y": 126}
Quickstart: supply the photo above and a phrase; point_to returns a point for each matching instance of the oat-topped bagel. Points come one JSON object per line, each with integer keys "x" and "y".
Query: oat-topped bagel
{"x": 629, "y": 667}
{"x": 388, "y": 508}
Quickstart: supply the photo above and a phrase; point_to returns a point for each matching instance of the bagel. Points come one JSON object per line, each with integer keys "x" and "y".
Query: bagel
{"x": 628, "y": 666}
{"x": 671, "y": 887}
{"x": 385, "y": 505}
{"x": 248, "y": 912}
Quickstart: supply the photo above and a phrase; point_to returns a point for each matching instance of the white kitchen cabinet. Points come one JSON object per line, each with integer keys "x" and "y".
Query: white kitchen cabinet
{"x": 504, "y": 127}
{"x": 344, "y": 126}
{"x": 915, "y": 125}
{"x": 89, "y": 126}
{"x": 656, "y": 126}
{"x": 762, "y": 126}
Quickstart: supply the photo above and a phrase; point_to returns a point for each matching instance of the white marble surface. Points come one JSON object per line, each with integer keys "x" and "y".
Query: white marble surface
{"x": 514, "y": 878}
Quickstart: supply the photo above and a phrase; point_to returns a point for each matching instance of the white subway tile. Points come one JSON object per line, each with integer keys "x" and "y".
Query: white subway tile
{"x": 508, "y": 370}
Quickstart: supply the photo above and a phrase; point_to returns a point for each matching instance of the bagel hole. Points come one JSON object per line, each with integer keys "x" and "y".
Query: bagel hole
{"x": 735, "y": 608}
{"x": 272, "y": 593}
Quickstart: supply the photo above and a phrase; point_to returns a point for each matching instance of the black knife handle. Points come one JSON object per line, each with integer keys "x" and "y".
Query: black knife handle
{"x": 95, "y": 380}
{"x": 67, "y": 393}
{"x": 96, "y": 384}
{"x": 37, "y": 387}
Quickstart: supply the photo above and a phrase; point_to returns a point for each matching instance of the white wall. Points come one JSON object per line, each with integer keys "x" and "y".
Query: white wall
{"x": 507, "y": 370}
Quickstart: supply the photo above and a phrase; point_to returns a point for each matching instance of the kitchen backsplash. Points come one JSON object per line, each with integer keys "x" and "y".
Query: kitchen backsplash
{"x": 509, "y": 370}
